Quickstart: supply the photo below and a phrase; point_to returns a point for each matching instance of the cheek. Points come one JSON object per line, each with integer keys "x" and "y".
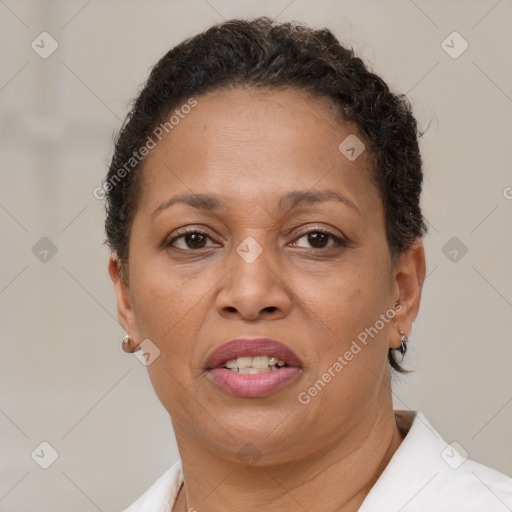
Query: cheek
{"x": 167, "y": 310}
{"x": 350, "y": 299}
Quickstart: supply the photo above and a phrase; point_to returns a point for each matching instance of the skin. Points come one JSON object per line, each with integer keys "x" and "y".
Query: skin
{"x": 250, "y": 148}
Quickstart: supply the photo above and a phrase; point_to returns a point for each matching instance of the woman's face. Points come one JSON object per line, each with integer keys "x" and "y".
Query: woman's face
{"x": 272, "y": 164}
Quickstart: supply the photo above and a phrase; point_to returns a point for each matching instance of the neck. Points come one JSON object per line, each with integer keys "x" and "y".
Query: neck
{"x": 341, "y": 474}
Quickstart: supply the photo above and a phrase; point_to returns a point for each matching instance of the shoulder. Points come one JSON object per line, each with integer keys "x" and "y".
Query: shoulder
{"x": 160, "y": 497}
{"x": 427, "y": 473}
{"x": 473, "y": 487}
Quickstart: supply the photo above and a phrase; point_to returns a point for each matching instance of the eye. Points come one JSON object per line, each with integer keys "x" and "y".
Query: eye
{"x": 318, "y": 239}
{"x": 189, "y": 239}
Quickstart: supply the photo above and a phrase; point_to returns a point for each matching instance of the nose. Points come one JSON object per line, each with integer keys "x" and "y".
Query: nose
{"x": 253, "y": 290}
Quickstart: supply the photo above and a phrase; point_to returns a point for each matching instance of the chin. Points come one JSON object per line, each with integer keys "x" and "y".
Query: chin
{"x": 269, "y": 426}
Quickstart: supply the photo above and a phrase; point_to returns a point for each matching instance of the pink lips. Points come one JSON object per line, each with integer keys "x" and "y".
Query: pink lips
{"x": 257, "y": 385}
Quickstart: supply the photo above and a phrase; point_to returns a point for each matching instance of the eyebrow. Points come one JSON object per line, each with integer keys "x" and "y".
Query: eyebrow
{"x": 290, "y": 200}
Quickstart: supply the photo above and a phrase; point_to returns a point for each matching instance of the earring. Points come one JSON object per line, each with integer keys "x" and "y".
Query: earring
{"x": 403, "y": 340}
{"x": 128, "y": 345}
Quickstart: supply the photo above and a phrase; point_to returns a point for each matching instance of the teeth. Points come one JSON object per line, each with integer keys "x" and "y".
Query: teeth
{"x": 260, "y": 362}
{"x": 253, "y": 365}
{"x": 249, "y": 371}
{"x": 244, "y": 362}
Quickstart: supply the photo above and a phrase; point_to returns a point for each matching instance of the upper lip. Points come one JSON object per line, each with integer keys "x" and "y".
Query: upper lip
{"x": 251, "y": 347}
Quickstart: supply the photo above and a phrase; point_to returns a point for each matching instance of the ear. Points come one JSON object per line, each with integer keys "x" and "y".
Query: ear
{"x": 125, "y": 312}
{"x": 409, "y": 275}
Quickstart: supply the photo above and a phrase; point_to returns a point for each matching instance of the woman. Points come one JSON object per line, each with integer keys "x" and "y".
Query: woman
{"x": 266, "y": 234}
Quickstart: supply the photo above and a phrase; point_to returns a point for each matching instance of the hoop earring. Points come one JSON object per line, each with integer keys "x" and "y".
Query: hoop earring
{"x": 403, "y": 340}
{"x": 128, "y": 345}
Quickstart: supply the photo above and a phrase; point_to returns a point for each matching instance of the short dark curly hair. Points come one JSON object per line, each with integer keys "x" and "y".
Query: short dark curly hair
{"x": 261, "y": 53}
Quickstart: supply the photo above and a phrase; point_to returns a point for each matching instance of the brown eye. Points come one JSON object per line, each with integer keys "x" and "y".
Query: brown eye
{"x": 189, "y": 240}
{"x": 318, "y": 239}
{"x": 195, "y": 240}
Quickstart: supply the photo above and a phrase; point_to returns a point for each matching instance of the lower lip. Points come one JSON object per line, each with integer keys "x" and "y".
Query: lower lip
{"x": 253, "y": 386}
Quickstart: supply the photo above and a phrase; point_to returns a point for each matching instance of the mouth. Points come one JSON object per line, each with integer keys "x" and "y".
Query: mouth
{"x": 252, "y": 368}
{"x": 254, "y": 365}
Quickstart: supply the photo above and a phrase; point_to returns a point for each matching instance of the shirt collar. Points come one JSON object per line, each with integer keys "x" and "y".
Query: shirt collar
{"x": 413, "y": 466}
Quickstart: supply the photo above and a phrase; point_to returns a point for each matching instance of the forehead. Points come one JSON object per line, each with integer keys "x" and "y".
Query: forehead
{"x": 255, "y": 145}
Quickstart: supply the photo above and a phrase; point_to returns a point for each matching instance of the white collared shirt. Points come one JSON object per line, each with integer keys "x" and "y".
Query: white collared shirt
{"x": 425, "y": 474}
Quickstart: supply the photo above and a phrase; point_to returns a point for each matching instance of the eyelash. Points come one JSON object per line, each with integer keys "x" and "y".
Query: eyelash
{"x": 192, "y": 231}
{"x": 337, "y": 240}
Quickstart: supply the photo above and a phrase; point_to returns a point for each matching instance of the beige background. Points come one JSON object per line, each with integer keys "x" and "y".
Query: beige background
{"x": 63, "y": 377}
